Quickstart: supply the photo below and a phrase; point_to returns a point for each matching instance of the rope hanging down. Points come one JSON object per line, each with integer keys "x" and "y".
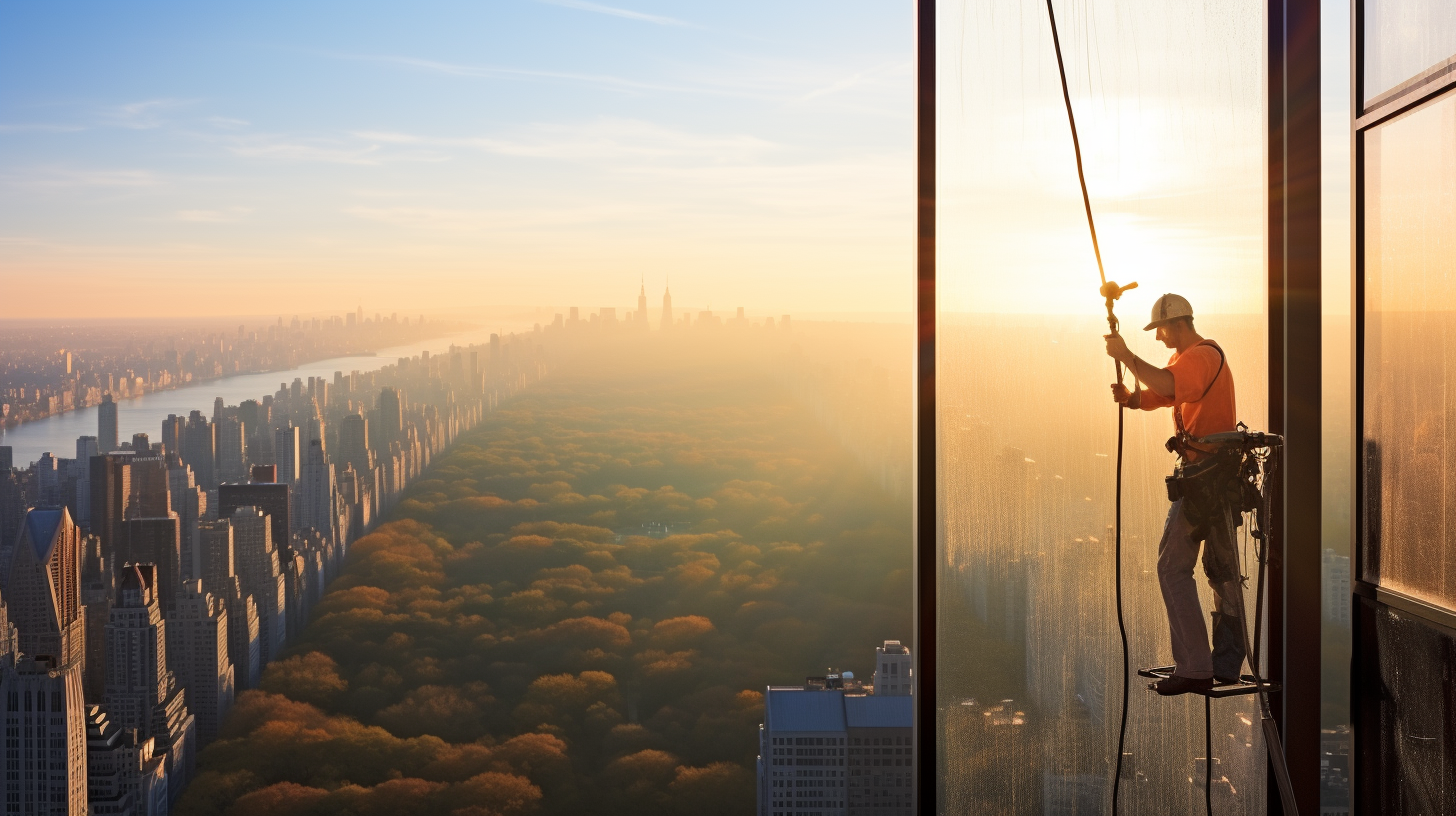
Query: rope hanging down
{"x": 1111, "y": 292}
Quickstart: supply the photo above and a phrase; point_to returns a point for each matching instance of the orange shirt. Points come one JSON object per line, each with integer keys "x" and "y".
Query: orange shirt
{"x": 1193, "y": 370}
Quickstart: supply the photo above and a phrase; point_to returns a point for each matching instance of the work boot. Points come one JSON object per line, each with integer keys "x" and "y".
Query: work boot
{"x": 1228, "y": 648}
{"x": 1173, "y": 685}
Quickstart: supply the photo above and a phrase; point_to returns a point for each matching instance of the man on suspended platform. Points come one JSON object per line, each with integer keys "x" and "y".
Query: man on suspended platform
{"x": 1199, "y": 386}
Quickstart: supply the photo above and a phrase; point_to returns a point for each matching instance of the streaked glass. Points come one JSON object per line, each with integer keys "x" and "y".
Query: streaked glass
{"x": 1407, "y": 747}
{"x": 1404, "y": 39}
{"x": 1170, "y": 104}
{"x": 1410, "y": 354}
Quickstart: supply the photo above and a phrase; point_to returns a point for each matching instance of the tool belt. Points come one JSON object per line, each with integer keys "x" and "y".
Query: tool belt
{"x": 1208, "y": 488}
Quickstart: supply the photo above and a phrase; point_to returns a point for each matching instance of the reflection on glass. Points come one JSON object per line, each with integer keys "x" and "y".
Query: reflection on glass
{"x": 1169, "y": 101}
{"x": 1404, "y": 39}
{"x": 1410, "y": 353}
{"x": 1408, "y": 735}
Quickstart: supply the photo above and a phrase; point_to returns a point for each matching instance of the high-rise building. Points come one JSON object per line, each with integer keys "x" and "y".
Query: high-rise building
{"x": 150, "y": 488}
{"x": 158, "y": 542}
{"x": 390, "y": 418}
{"x": 216, "y": 559}
{"x": 86, "y": 448}
{"x": 197, "y": 649}
{"x": 110, "y": 494}
{"x": 666, "y": 308}
{"x": 107, "y": 437}
{"x": 124, "y": 774}
{"x": 98, "y": 591}
{"x": 316, "y": 494}
{"x": 831, "y": 747}
{"x": 354, "y": 442}
{"x": 1335, "y": 587}
{"x": 191, "y": 504}
{"x": 43, "y": 588}
{"x": 641, "y": 315}
{"x": 273, "y": 498}
{"x": 892, "y": 669}
{"x": 245, "y": 649}
{"x": 285, "y": 453}
{"x": 173, "y": 431}
{"x": 141, "y": 692}
{"x": 41, "y": 698}
{"x": 261, "y": 576}
{"x": 231, "y": 461}
{"x": 199, "y": 449}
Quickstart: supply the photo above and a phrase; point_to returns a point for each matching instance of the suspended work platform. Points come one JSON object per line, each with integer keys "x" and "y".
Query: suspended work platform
{"x": 1246, "y": 684}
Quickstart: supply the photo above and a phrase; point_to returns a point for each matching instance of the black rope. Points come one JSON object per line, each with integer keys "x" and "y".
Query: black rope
{"x": 1121, "y": 413}
{"x": 1076, "y": 145}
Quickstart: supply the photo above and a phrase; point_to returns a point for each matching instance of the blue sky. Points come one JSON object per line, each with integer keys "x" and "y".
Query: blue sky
{"x": 448, "y": 156}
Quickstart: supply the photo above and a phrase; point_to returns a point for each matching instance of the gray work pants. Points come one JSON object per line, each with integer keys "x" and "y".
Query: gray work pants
{"x": 1177, "y": 553}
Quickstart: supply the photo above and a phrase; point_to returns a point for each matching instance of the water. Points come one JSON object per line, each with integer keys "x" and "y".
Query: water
{"x": 57, "y": 433}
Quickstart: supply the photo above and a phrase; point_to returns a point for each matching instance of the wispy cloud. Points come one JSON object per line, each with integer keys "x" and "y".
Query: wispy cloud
{"x": 227, "y": 216}
{"x": 144, "y": 115}
{"x": 597, "y": 8}
{"x": 603, "y": 139}
{"x": 227, "y": 123}
{"x": 326, "y": 151}
{"x": 495, "y": 72}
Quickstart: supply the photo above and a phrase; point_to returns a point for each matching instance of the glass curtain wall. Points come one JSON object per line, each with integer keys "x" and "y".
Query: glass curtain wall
{"x": 1170, "y": 105}
{"x": 1403, "y": 691}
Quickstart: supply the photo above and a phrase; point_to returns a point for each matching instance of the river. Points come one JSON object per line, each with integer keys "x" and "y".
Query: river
{"x": 144, "y": 414}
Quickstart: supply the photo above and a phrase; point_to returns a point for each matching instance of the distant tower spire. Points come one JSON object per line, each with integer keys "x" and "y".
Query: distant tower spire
{"x": 667, "y": 307}
{"x": 641, "y": 317}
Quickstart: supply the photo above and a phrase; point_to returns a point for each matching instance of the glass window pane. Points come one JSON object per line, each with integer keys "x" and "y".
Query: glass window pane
{"x": 1410, "y": 353}
{"x": 1170, "y": 105}
{"x": 1404, "y": 39}
{"x": 1407, "y": 726}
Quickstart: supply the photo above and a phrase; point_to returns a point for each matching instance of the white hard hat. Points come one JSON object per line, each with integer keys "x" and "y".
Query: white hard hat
{"x": 1169, "y": 307}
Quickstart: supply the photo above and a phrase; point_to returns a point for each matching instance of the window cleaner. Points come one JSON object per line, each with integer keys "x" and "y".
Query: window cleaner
{"x": 1222, "y": 473}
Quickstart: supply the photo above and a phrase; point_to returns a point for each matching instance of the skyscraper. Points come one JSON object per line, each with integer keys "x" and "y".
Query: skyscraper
{"x": 199, "y": 449}
{"x": 260, "y": 576}
{"x": 273, "y": 498}
{"x": 245, "y": 649}
{"x": 641, "y": 315}
{"x": 141, "y": 693}
{"x": 666, "y": 308}
{"x": 42, "y": 703}
{"x": 390, "y": 418}
{"x": 231, "y": 461}
{"x": 110, "y": 493}
{"x": 124, "y": 774}
{"x": 892, "y": 669}
{"x": 215, "y": 550}
{"x": 106, "y": 432}
{"x": 198, "y": 652}
{"x": 316, "y": 494}
{"x": 86, "y": 448}
{"x": 157, "y": 542}
{"x": 43, "y": 588}
{"x": 285, "y": 453}
{"x": 150, "y": 488}
{"x": 354, "y": 442}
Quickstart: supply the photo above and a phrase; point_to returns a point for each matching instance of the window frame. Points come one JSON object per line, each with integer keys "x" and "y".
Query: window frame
{"x": 1420, "y": 91}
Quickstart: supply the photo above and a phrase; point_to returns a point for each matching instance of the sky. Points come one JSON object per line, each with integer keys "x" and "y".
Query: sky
{"x": 1169, "y": 100}
{"x": 168, "y": 159}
